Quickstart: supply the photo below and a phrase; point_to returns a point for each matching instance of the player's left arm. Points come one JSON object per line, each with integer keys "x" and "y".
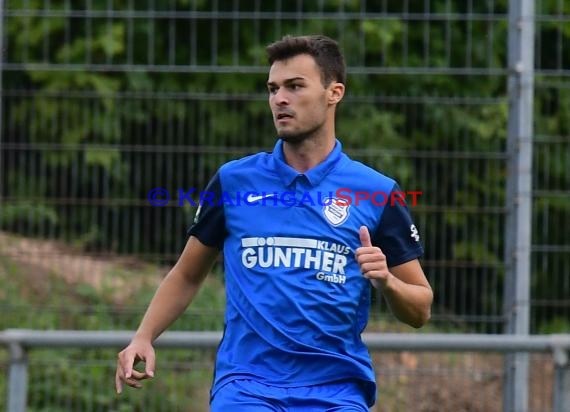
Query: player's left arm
{"x": 408, "y": 293}
{"x": 404, "y": 286}
{"x": 389, "y": 258}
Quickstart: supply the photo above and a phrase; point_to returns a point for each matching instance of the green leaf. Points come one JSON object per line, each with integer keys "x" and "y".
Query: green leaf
{"x": 104, "y": 158}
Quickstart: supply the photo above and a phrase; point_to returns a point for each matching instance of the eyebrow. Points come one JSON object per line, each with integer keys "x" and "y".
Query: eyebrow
{"x": 287, "y": 81}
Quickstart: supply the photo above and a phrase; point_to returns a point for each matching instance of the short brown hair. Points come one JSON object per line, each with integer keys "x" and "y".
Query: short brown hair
{"x": 324, "y": 50}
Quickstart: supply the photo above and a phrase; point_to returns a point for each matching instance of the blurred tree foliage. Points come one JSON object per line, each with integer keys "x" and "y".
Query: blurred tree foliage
{"x": 112, "y": 105}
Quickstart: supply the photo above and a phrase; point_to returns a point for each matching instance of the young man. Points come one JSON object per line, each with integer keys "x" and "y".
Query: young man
{"x": 299, "y": 258}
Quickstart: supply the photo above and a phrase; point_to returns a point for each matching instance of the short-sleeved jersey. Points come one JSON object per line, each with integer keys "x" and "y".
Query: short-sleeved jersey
{"x": 297, "y": 302}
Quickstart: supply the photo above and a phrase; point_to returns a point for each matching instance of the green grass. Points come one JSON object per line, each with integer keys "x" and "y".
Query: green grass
{"x": 46, "y": 300}
{"x": 82, "y": 379}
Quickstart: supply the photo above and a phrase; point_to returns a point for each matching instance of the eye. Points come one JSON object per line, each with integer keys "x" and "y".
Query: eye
{"x": 272, "y": 89}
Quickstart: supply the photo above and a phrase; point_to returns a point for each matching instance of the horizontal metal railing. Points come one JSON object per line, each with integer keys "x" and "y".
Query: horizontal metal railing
{"x": 20, "y": 341}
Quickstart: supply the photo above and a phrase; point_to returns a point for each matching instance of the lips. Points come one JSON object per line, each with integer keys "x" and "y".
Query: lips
{"x": 284, "y": 115}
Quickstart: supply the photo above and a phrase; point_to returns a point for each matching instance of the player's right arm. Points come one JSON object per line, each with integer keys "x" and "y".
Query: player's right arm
{"x": 172, "y": 297}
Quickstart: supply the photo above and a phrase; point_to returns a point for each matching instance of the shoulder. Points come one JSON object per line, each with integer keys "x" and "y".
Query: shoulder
{"x": 246, "y": 163}
{"x": 365, "y": 176}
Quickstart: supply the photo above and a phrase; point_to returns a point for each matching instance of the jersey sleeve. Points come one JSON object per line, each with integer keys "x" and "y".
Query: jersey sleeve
{"x": 396, "y": 234}
{"x": 209, "y": 224}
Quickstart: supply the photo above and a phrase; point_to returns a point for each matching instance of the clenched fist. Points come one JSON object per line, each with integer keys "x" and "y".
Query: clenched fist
{"x": 371, "y": 260}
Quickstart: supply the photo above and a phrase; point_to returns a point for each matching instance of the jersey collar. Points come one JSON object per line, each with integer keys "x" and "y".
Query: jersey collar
{"x": 315, "y": 175}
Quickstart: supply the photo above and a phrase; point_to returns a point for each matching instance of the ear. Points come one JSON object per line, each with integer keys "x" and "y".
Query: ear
{"x": 335, "y": 92}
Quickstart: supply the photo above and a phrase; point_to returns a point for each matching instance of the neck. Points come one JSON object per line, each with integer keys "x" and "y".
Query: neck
{"x": 308, "y": 153}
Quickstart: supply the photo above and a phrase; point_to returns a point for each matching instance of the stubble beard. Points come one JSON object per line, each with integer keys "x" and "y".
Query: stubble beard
{"x": 294, "y": 139}
{"x": 297, "y": 138}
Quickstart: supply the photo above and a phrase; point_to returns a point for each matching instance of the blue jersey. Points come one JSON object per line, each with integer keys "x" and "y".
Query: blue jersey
{"x": 297, "y": 302}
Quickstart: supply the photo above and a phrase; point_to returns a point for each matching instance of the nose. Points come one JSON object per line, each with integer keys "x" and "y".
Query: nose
{"x": 280, "y": 97}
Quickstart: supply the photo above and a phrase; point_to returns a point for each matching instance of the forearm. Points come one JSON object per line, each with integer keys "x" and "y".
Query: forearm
{"x": 409, "y": 303}
{"x": 170, "y": 300}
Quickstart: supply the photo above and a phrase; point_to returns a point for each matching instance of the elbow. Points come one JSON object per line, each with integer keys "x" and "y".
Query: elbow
{"x": 421, "y": 319}
{"x": 416, "y": 319}
{"x": 416, "y": 314}
{"x": 424, "y": 315}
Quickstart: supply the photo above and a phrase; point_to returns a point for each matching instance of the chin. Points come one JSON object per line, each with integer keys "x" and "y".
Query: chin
{"x": 293, "y": 138}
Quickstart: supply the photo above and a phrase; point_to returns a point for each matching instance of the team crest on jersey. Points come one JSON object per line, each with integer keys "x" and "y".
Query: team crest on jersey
{"x": 336, "y": 211}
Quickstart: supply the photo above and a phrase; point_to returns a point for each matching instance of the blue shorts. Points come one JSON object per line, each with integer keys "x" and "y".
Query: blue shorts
{"x": 252, "y": 396}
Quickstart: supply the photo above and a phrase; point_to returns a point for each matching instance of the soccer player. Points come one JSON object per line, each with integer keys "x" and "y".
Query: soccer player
{"x": 299, "y": 260}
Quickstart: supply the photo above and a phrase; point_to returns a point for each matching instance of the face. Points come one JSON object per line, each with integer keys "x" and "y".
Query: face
{"x": 298, "y": 100}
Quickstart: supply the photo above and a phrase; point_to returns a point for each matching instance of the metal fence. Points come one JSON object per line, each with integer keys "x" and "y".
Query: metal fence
{"x": 406, "y": 365}
{"x": 103, "y": 101}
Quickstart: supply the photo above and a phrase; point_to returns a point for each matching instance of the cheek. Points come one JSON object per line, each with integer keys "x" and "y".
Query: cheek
{"x": 319, "y": 107}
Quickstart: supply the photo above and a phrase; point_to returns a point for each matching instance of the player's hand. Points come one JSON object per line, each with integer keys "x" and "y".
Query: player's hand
{"x": 371, "y": 260}
{"x": 137, "y": 351}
